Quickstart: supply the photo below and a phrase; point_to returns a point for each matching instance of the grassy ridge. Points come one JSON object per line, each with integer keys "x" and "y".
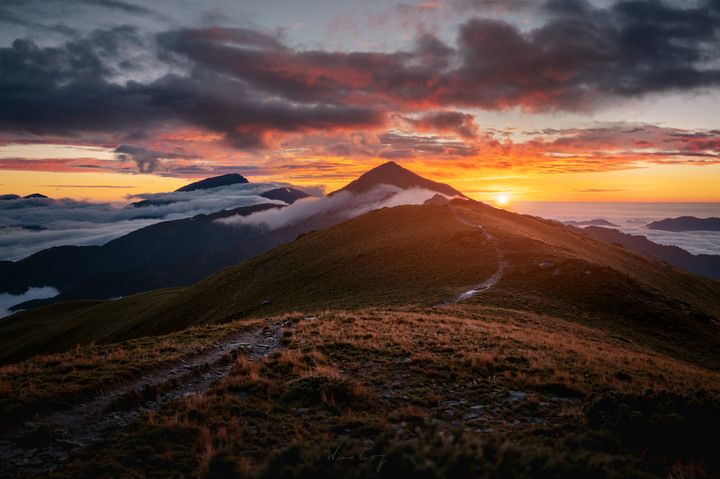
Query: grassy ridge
{"x": 390, "y": 256}
{"x": 412, "y": 255}
{"x": 602, "y": 285}
{"x": 437, "y": 394}
{"x": 47, "y": 383}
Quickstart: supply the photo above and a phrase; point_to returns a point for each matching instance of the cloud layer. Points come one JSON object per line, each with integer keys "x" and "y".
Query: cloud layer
{"x": 8, "y": 300}
{"x": 30, "y": 225}
{"x": 180, "y": 100}
{"x": 344, "y": 203}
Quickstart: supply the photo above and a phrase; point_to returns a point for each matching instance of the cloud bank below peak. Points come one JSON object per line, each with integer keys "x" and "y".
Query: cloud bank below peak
{"x": 31, "y": 225}
{"x": 343, "y": 204}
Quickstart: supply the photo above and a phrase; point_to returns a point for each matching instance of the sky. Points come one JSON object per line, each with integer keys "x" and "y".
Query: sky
{"x": 557, "y": 100}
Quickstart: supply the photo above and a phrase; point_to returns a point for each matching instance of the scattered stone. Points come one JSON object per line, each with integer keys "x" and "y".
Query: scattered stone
{"x": 514, "y": 396}
{"x": 546, "y": 265}
{"x": 302, "y": 410}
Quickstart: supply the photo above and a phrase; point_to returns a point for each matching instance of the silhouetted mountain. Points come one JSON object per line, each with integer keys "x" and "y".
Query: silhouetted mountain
{"x": 703, "y": 264}
{"x": 393, "y": 174}
{"x": 437, "y": 200}
{"x": 598, "y": 222}
{"x": 145, "y": 203}
{"x": 686, "y": 223}
{"x": 288, "y": 195}
{"x": 214, "y": 182}
{"x": 34, "y": 195}
{"x": 9, "y": 197}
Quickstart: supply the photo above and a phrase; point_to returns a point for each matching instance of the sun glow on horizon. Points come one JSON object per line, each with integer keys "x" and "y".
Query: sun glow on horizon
{"x": 502, "y": 200}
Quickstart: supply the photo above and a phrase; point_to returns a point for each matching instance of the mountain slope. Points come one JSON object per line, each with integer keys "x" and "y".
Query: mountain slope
{"x": 433, "y": 256}
{"x": 703, "y": 264}
{"x": 686, "y": 223}
{"x": 418, "y": 256}
{"x": 391, "y": 173}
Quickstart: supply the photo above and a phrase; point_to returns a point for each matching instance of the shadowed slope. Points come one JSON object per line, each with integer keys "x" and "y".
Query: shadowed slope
{"x": 389, "y": 256}
{"x": 553, "y": 270}
{"x": 419, "y": 256}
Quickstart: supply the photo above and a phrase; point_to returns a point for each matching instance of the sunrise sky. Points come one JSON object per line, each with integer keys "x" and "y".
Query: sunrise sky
{"x": 556, "y": 100}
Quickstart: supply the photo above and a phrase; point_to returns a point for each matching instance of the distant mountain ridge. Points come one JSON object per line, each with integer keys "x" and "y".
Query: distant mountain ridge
{"x": 214, "y": 182}
{"x": 10, "y": 196}
{"x": 702, "y": 264}
{"x": 686, "y": 223}
{"x": 596, "y": 222}
{"x": 287, "y": 195}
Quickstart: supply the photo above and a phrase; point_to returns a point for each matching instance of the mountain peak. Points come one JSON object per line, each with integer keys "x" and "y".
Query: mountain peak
{"x": 214, "y": 182}
{"x": 391, "y": 173}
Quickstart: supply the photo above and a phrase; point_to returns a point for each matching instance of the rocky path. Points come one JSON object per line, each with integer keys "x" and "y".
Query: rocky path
{"x": 43, "y": 443}
{"x": 492, "y": 280}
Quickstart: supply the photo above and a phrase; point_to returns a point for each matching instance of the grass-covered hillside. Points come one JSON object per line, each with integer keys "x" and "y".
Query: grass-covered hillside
{"x": 411, "y": 255}
{"x": 459, "y": 392}
{"x": 576, "y": 358}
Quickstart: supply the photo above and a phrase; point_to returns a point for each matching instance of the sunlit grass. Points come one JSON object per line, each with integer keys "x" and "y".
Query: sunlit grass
{"x": 389, "y": 377}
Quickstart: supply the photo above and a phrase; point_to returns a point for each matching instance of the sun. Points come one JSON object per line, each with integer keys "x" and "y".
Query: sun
{"x": 502, "y": 200}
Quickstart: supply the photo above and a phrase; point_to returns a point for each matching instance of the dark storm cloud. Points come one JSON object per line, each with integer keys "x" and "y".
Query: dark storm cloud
{"x": 123, "y": 6}
{"x": 245, "y": 84}
{"x": 462, "y": 124}
{"x": 583, "y": 56}
{"x": 580, "y": 57}
{"x": 68, "y": 89}
{"x": 409, "y": 145}
{"x": 147, "y": 160}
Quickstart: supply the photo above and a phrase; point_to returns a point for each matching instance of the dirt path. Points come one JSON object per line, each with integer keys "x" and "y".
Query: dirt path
{"x": 492, "y": 280}
{"x": 40, "y": 445}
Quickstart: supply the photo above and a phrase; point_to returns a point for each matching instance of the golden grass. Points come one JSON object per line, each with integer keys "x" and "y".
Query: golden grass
{"x": 372, "y": 372}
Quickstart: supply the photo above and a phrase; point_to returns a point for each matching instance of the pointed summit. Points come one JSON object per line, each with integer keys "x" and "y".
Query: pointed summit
{"x": 391, "y": 173}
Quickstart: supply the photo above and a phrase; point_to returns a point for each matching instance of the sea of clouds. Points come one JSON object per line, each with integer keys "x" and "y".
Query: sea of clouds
{"x": 30, "y": 225}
